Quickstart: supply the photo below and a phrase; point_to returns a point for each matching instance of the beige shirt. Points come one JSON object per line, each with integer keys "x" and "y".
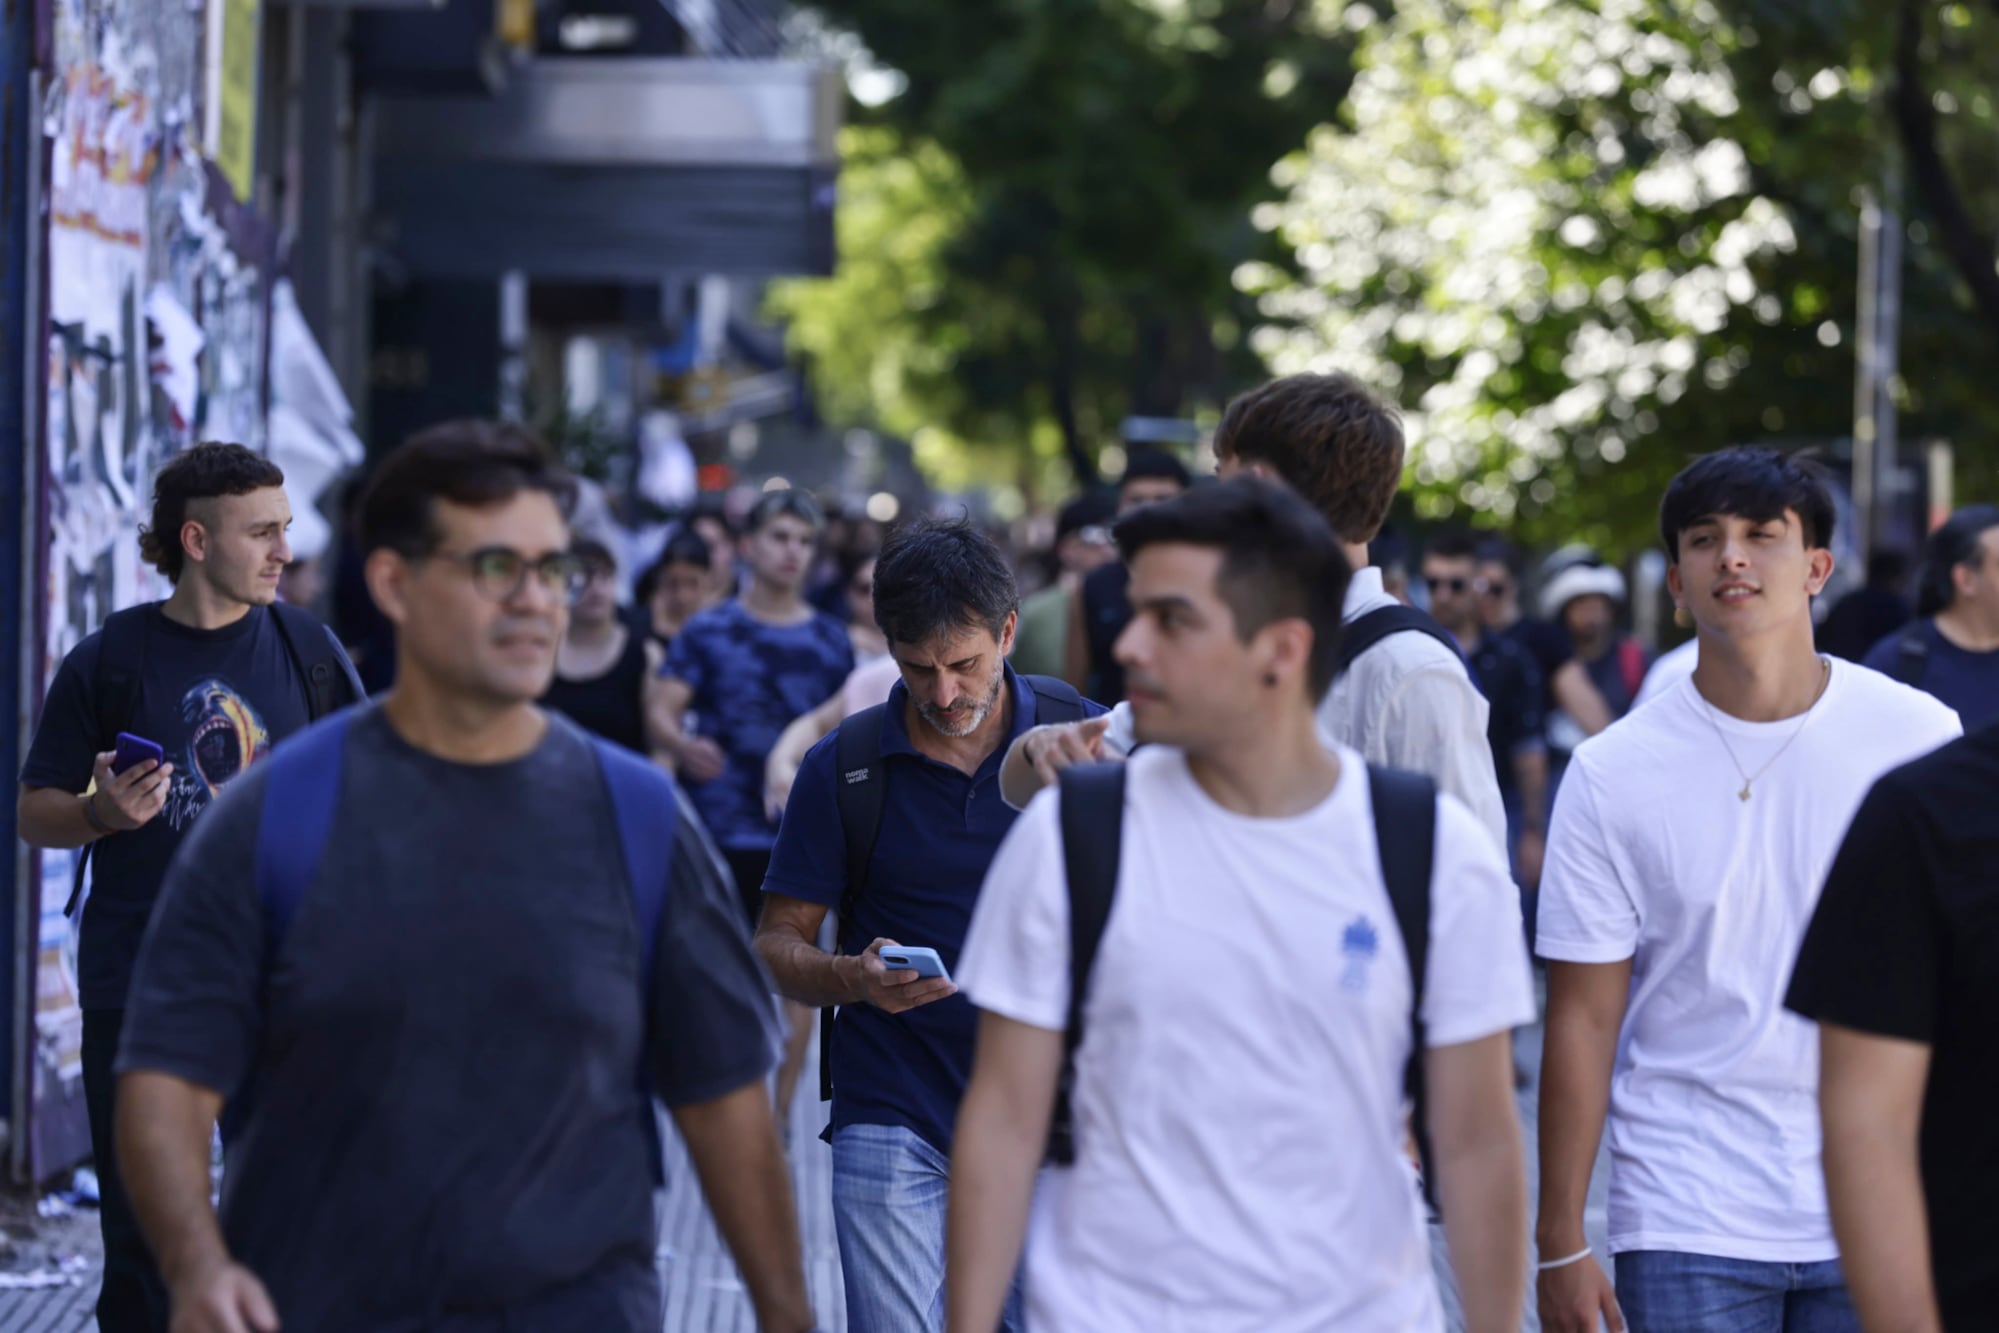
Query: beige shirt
{"x": 1407, "y": 703}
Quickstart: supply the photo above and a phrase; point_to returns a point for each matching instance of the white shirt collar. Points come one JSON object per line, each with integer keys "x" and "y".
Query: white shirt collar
{"x": 1365, "y": 593}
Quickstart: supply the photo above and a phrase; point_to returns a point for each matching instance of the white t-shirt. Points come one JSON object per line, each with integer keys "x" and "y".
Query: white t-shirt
{"x": 1714, "y": 1123}
{"x": 1408, "y": 702}
{"x": 1239, "y": 1107}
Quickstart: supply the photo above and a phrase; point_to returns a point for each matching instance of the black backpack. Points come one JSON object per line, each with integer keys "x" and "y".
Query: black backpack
{"x": 862, "y": 794}
{"x": 121, "y": 665}
{"x": 1092, "y": 817}
{"x": 1370, "y": 629}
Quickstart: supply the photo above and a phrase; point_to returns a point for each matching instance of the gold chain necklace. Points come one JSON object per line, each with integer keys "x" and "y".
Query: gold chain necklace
{"x": 1749, "y": 779}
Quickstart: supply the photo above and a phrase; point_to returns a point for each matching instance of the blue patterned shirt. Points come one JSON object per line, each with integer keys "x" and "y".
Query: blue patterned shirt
{"x": 750, "y": 681}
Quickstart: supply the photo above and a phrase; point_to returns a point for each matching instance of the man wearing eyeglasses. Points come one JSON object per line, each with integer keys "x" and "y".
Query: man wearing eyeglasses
{"x": 439, "y": 1027}
{"x": 1511, "y": 683}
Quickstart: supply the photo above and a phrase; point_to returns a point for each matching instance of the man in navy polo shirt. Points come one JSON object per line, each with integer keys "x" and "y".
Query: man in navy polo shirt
{"x": 902, "y": 1049}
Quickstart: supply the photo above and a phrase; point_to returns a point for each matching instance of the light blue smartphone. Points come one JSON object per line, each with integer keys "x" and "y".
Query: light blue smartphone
{"x": 924, "y": 962}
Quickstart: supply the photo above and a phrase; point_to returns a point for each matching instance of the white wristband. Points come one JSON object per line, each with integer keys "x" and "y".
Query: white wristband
{"x": 1575, "y": 1258}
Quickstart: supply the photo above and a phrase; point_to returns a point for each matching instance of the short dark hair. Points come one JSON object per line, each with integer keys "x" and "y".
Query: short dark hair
{"x": 1499, "y": 551}
{"x": 711, "y": 505}
{"x": 1329, "y": 438}
{"x": 1145, "y": 463}
{"x": 1954, "y": 543}
{"x": 936, "y": 575}
{"x": 1280, "y": 558}
{"x": 1093, "y": 508}
{"x": 205, "y": 472}
{"x": 473, "y": 463}
{"x": 1752, "y": 482}
{"x": 684, "y": 547}
{"x": 1452, "y": 544}
{"x": 791, "y": 500}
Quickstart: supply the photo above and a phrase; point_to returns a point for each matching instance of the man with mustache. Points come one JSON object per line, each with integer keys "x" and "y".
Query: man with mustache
{"x": 441, "y": 1008}
{"x": 215, "y": 675}
{"x": 902, "y": 1045}
{"x": 1688, "y": 849}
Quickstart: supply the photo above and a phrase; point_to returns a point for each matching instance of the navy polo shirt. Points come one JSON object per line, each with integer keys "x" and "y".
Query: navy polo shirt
{"x": 940, "y": 829}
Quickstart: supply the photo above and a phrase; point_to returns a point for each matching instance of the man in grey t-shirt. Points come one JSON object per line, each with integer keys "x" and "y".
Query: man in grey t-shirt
{"x": 437, "y": 1050}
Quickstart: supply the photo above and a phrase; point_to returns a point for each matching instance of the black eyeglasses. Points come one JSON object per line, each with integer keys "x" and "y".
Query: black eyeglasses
{"x": 499, "y": 572}
{"x": 1455, "y": 585}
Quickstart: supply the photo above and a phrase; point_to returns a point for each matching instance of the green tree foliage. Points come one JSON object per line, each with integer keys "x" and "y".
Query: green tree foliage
{"x": 1099, "y": 159}
{"x": 1581, "y": 242}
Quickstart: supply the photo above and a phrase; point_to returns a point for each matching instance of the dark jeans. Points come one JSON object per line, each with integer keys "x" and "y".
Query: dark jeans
{"x": 133, "y": 1298}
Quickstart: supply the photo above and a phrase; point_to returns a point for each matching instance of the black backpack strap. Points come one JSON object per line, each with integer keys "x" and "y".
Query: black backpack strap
{"x": 114, "y": 689}
{"x": 1405, "y": 832}
{"x": 862, "y": 790}
{"x": 1092, "y": 814}
{"x": 1360, "y": 635}
{"x": 329, "y": 685}
{"x": 1054, "y": 700}
{"x": 1912, "y": 653}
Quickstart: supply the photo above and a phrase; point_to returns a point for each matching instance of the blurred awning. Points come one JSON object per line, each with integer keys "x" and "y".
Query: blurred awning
{"x": 612, "y": 169}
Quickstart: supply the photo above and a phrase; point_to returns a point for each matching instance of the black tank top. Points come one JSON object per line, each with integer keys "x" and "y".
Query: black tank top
{"x": 613, "y": 704}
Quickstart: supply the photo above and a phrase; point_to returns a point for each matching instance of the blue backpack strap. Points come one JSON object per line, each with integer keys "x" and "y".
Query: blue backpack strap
{"x": 300, "y": 796}
{"x": 646, "y": 812}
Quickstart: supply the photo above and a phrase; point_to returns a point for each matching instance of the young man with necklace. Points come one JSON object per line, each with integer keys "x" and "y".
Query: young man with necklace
{"x": 1686, "y": 856}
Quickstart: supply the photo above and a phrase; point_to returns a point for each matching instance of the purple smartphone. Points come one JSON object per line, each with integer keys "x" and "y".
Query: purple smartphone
{"x": 133, "y": 750}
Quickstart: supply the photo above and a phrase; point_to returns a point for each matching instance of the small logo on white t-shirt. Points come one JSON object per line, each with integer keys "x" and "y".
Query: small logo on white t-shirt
{"x": 1359, "y": 944}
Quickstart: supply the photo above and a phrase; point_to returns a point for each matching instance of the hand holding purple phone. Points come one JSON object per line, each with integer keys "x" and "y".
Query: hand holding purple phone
{"x": 132, "y": 783}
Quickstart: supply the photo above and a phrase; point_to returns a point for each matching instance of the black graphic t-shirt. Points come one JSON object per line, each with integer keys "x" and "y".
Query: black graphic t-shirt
{"x": 215, "y": 701}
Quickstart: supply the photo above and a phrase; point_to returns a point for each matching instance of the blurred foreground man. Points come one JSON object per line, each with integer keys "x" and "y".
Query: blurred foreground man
{"x": 437, "y": 957}
{"x": 1217, "y": 931}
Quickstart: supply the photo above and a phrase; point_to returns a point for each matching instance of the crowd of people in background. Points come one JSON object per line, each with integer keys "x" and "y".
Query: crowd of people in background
{"x": 959, "y": 792}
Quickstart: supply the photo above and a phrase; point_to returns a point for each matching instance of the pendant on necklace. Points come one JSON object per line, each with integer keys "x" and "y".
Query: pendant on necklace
{"x": 1744, "y": 793}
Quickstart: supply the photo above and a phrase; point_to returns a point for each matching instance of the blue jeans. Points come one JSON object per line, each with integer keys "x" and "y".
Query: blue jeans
{"x": 889, "y": 1199}
{"x": 1662, "y": 1291}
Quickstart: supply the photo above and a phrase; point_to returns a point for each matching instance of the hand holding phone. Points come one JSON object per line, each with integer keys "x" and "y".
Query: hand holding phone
{"x": 132, "y": 783}
{"x": 924, "y": 962}
{"x": 882, "y": 976}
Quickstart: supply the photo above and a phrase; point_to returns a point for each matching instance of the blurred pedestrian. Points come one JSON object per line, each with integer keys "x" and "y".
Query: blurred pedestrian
{"x": 1584, "y": 597}
{"x": 1511, "y": 684}
{"x": 1099, "y": 611}
{"x": 1565, "y": 684}
{"x": 1082, "y": 544}
{"x": 439, "y": 1072}
{"x": 743, "y": 670}
{"x": 1204, "y": 952}
{"x": 857, "y": 594}
{"x": 1900, "y": 970}
{"x": 1952, "y": 651}
{"x": 1871, "y": 612}
{"x": 1688, "y": 848}
{"x": 206, "y": 682}
{"x": 603, "y": 668}
{"x": 892, "y": 823}
{"x": 680, "y": 584}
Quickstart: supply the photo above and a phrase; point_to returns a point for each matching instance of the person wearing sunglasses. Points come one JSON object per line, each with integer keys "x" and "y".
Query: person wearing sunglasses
{"x": 428, "y": 1039}
{"x": 1511, "y": 683}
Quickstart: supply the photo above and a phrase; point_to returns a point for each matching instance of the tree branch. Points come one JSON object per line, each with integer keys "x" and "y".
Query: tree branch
{"x": 1972, "y": 251}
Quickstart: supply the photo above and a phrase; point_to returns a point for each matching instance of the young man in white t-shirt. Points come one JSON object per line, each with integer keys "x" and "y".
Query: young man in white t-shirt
{"x": 1238, "y": 1097}
{"x": 1689, "y": 844}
